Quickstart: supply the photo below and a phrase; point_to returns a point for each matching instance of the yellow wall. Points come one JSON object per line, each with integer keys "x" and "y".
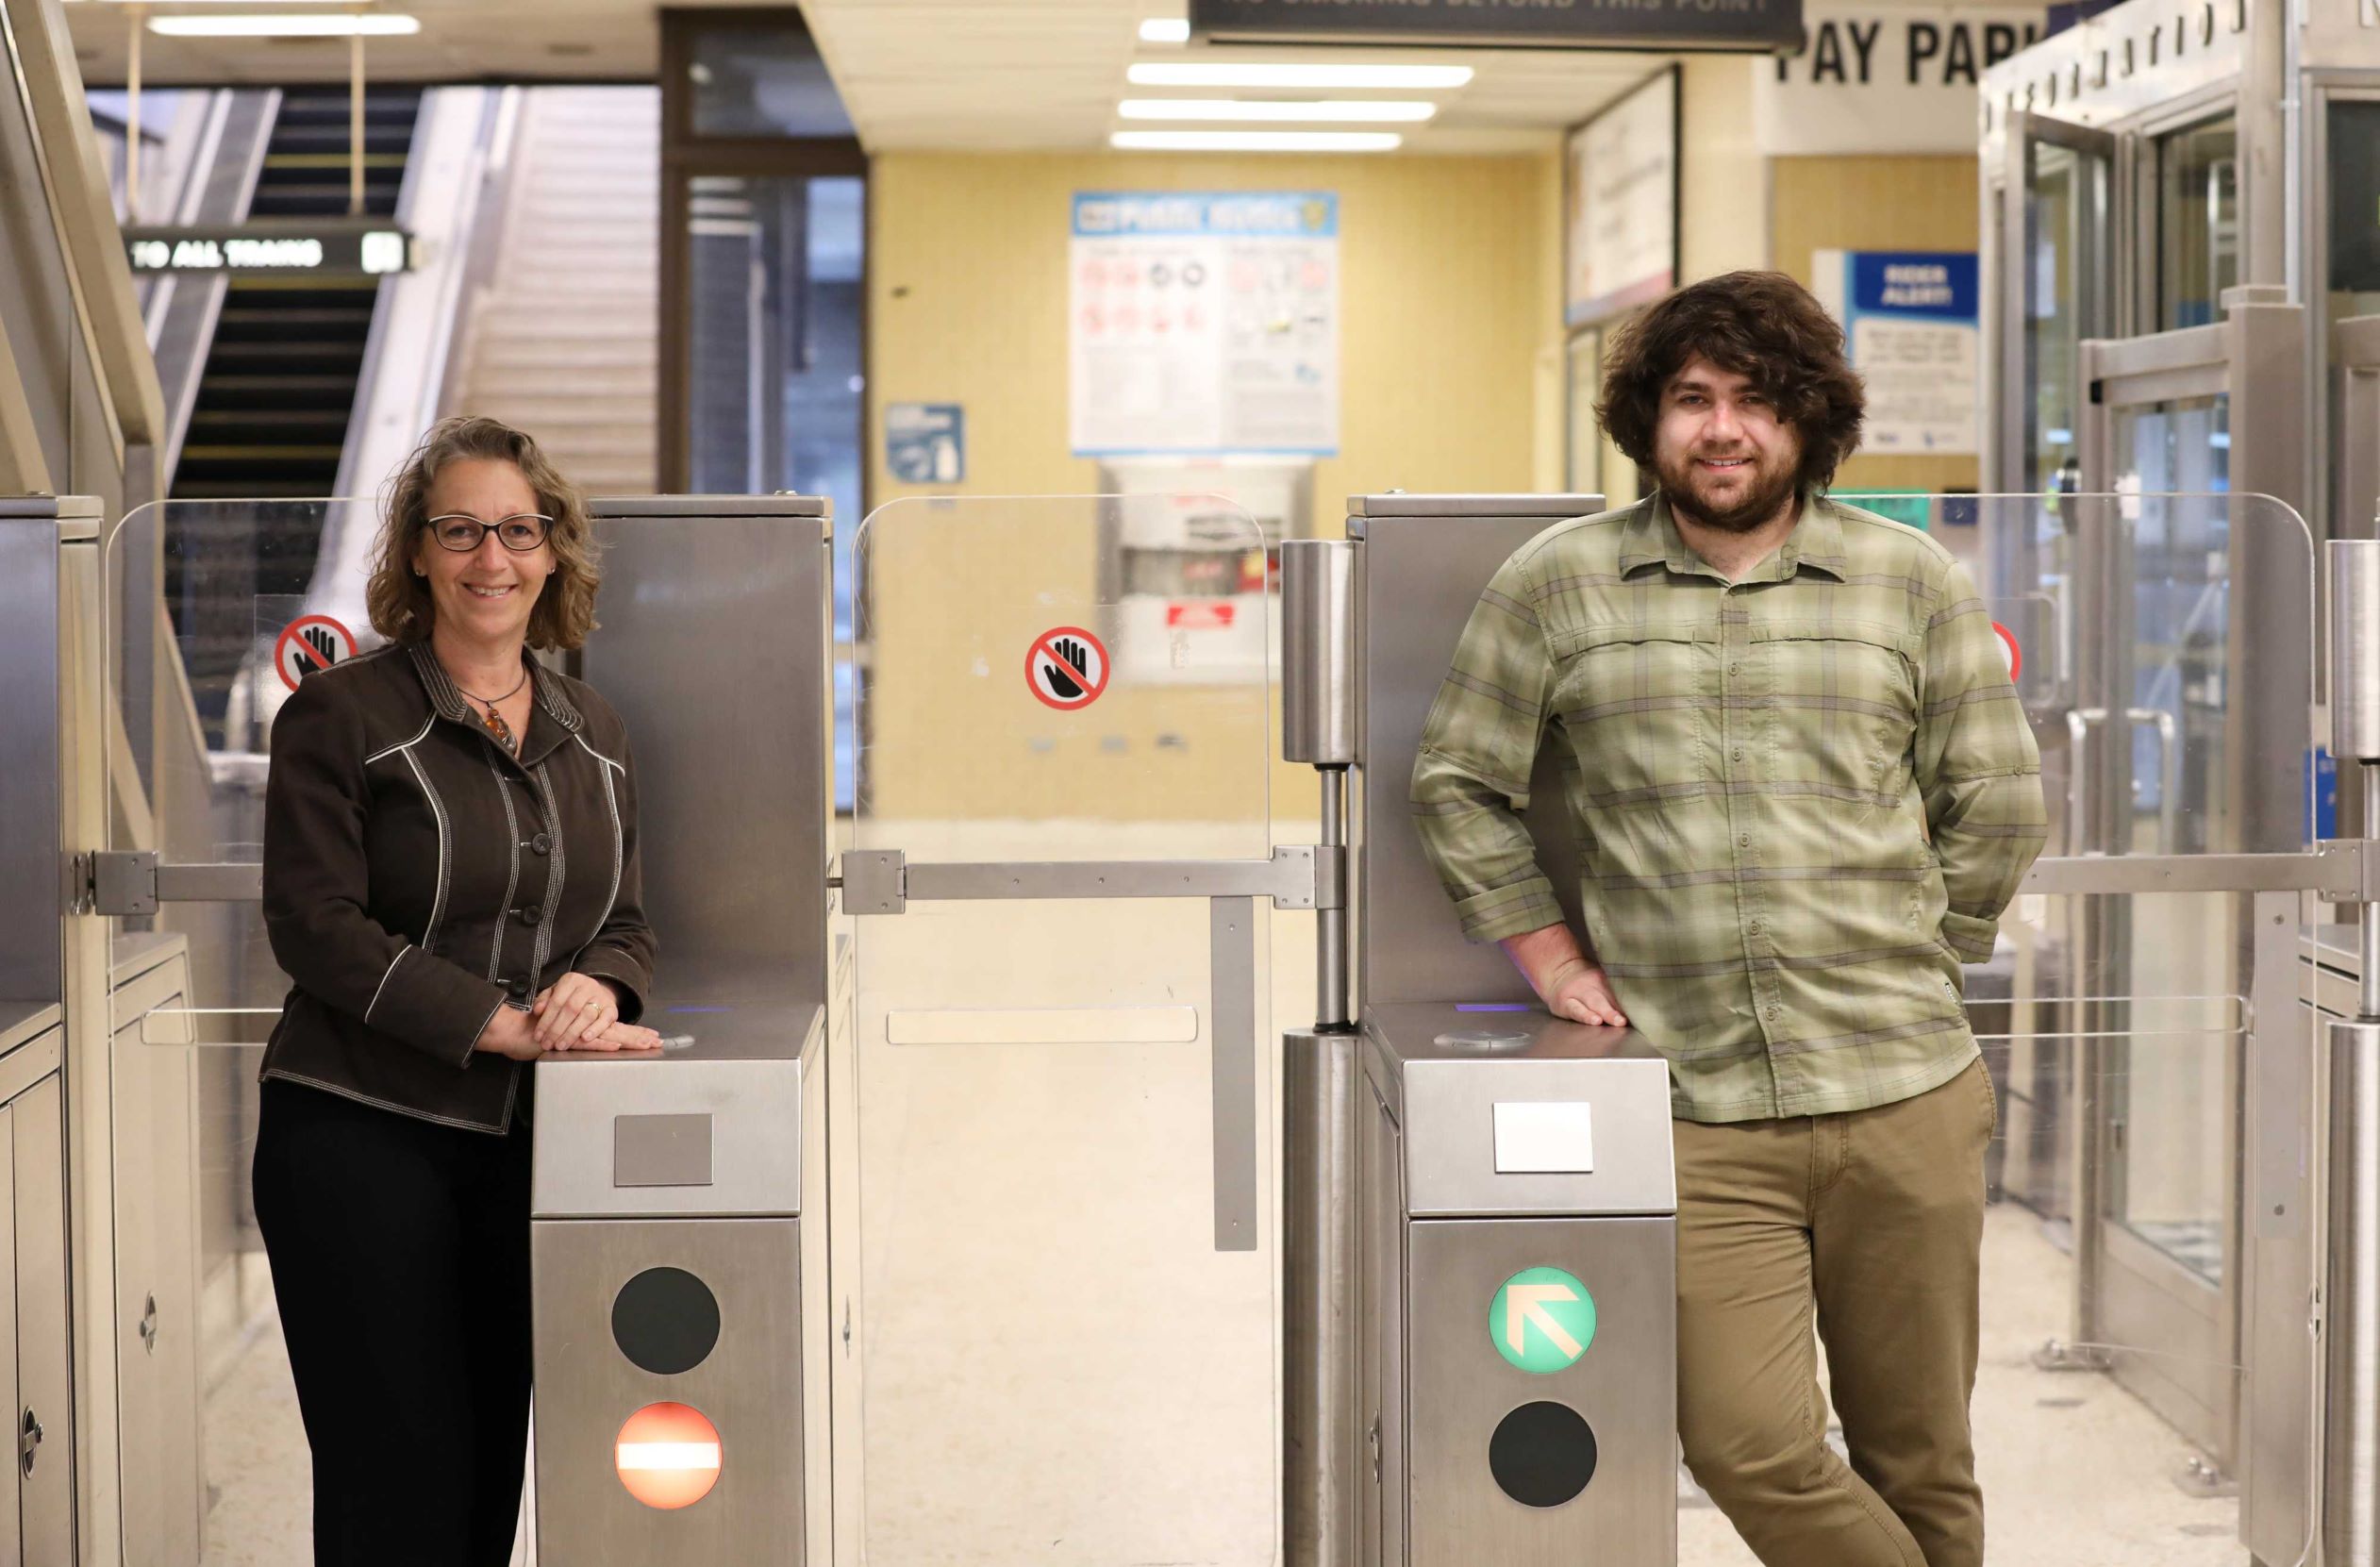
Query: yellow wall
{"x": 1449, "y": 304}
{"x": 1916, "y": 203}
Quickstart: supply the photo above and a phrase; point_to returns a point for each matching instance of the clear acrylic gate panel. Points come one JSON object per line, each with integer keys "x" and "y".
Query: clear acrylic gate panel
{"x": 2164, "y": 647}
{"x": 214, "y": 609}
{"x": 1058, "y": 1364}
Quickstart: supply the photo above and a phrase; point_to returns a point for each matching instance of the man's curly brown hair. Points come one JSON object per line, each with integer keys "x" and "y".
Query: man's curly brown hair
{"x": 400, "y": 603}
{"x": 1761, "y": 325}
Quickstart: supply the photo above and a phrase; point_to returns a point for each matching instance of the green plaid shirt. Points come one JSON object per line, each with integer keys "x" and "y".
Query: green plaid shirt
{"x": 1802, "y": 799}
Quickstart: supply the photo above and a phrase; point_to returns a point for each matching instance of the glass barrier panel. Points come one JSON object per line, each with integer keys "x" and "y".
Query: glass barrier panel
{"x": 215, "y": 610}
{"x": 1059, "y": 1366}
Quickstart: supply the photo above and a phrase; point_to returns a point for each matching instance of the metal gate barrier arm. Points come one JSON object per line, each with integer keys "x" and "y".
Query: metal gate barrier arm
{"x": 1301, "y": 876}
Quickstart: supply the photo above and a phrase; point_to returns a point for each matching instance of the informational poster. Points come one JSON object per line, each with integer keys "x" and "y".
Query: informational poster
{"x": 1204, "y": 323}
{"x": 1884, "y": 78}
{"x": 1620, "y": 244}
{"x": 1910, "y": 318}
{"x": 925, "y": 442}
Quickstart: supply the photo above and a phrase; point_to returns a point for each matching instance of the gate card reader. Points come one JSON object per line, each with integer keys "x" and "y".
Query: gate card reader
{"x": 1517, "y": 1279}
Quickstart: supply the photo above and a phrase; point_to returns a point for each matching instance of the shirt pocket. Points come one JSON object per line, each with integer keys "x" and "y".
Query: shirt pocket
{"x": 1633, "y": 702}
{"x": 1840, "y": 701}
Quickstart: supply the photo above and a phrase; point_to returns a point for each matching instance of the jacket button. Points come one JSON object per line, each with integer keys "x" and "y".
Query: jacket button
{"x": 540, "y": 843}
{"x": 529, "y": 915}
{"x": 519, "y": 989}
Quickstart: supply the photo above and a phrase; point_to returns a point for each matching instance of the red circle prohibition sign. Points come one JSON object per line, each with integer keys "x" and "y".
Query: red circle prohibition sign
{"x": 1044, "y": 664}
{"x": 2009, "y": 645}
{"x": 309, "y": 649}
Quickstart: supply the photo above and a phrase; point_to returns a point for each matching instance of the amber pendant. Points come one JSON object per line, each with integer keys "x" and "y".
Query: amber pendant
{"x": 493, "y": 722}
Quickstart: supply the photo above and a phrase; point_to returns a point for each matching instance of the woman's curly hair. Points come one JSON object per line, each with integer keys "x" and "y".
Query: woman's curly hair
{"x": 400, "y": 601}
{"x": 1761, "y": 325}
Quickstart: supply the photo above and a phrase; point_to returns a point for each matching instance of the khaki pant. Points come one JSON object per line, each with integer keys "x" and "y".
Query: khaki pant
{"x": 1874, "y": 1218}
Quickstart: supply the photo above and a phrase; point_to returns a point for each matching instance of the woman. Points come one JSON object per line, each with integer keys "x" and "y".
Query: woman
{"x": 451, "y": 880}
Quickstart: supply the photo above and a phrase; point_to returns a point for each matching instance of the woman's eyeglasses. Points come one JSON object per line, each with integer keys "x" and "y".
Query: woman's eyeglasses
{"x": 521, "y": 532}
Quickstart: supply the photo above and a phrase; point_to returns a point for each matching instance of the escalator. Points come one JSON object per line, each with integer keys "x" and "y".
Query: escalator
{"x": 271, "y": 413}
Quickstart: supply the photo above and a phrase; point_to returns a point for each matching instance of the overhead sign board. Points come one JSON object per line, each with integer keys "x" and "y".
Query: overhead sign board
{"x": 1886, "y": 78}
{"x": 334, "y": 249}
{"x": 1755, "y": 25}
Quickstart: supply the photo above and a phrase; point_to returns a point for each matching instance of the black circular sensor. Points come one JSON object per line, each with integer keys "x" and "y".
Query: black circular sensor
{"x": 666, "y": 1321}
{"x": 1542, "y": 1454}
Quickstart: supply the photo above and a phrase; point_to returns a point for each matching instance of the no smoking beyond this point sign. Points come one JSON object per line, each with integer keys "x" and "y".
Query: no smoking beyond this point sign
{"x": 1542, "y": 1320}
{"x": 308, "y": 644}
{"x": 2009, "y": 645}
{"x": 1066, "y": 668}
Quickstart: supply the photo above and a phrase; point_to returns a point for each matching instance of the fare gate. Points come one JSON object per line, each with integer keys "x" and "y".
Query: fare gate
{"x": 671, "y": 1267}
{"x": 1088, "y": 1282}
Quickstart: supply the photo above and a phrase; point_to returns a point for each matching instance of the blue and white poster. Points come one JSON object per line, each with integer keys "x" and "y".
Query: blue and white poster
{"x": 1203, "y": 323}
{"x": 1911, "y": 321}
{"x": 925, "y": 442}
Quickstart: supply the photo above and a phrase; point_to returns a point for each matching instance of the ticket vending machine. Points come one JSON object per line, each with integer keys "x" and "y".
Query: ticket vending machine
{"x": 1481, "y": 1206}
{"x": 670, "y": 1257}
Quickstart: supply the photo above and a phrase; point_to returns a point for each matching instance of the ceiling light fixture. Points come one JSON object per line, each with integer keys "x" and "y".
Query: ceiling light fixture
{"x": 374, "y": 25}
{"x": 1159, "y": 30}
{"x": 1314, "y": 77}
{"x": 1376, "y": 111}
{"x": 1256, "y": 141}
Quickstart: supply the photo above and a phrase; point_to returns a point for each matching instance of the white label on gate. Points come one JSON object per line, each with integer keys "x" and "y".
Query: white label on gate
{"x": 1545, "y": 1138}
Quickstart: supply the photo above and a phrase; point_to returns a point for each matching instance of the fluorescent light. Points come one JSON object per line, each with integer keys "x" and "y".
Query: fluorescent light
{"x": 1256, "y": 141}
{"x": 1159, "y": 30}
{"x": 371, "y": 26}
{"x": 1323, "y": 77}
{"x": 1377, "y": 112}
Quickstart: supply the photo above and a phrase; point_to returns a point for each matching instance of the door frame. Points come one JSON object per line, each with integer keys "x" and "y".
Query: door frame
{"x": 2122, "y": 1284}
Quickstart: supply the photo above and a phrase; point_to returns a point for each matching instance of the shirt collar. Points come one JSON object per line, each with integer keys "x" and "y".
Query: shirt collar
{"x": 448, "y": 699}
{"x": 1816, "y": 541}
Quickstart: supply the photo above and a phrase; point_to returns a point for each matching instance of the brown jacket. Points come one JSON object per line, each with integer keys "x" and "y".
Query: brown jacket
{"x": 416, "y": 878}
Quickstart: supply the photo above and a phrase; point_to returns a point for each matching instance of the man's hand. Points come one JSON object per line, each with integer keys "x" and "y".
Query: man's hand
{"x": 1572, "y": 988}
{"x": 1584, "y": 995}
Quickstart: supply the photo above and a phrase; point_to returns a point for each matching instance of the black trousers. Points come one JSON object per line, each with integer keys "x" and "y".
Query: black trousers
{"x": 399, "y": 1253}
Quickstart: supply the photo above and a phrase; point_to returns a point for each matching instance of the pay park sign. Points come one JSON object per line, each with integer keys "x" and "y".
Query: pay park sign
{"x": 1759, "y": 26}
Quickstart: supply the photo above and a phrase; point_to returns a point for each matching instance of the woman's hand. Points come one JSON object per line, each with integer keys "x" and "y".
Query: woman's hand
{"x": 574, "y": 1013}
{"x": 511, "y": 1033}
{"x": 508, "y": 1034}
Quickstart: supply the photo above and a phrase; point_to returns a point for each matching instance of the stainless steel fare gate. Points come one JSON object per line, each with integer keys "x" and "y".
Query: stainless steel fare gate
{"x": 1048, "y": 1319}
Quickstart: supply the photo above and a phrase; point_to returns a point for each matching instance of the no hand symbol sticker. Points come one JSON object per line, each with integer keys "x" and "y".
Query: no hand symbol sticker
{"x": 1066, "y": 668}
{"x": 308, "y": 644}
{"x": 2009, "y": 645}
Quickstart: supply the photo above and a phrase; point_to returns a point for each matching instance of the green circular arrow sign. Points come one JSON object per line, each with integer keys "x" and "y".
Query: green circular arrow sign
{"x": 1541, "y": 1319}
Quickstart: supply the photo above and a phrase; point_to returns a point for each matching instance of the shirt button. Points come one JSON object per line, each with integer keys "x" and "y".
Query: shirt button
{"x": 1744, "y": 841}
{"x": 1737, "y": 752}
{"x": 1775, "y": 1013}
{"x": 540, "y": 843}
{"x": 1735, "y": 669}
{"x": 1754, "y": 927}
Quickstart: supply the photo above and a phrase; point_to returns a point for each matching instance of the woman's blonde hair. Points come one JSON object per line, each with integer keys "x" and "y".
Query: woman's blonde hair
{"x": 400, "y": 601}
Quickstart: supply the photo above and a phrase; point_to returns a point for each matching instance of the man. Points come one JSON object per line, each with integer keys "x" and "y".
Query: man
{"x": 1805, "y": 792}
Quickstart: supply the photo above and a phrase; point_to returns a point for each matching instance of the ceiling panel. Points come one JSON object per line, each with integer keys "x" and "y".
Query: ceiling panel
{"x": 959, "y": 75}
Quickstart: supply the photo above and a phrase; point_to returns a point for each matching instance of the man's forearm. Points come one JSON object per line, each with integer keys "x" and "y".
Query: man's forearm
{"x": 1545, "y": 957}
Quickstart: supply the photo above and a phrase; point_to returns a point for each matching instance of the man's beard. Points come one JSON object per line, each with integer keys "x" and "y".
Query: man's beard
{"x": 1763, "y": 499}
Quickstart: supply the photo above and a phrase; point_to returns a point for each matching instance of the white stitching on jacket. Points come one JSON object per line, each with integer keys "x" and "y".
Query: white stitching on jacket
{"x": 384, "y": 982}
{"x": 445, "y": 849}
{"x": 513, "y": 880}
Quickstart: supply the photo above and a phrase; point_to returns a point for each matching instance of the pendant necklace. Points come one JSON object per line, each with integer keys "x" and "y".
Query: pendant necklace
{"x": 493, "y": 721}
